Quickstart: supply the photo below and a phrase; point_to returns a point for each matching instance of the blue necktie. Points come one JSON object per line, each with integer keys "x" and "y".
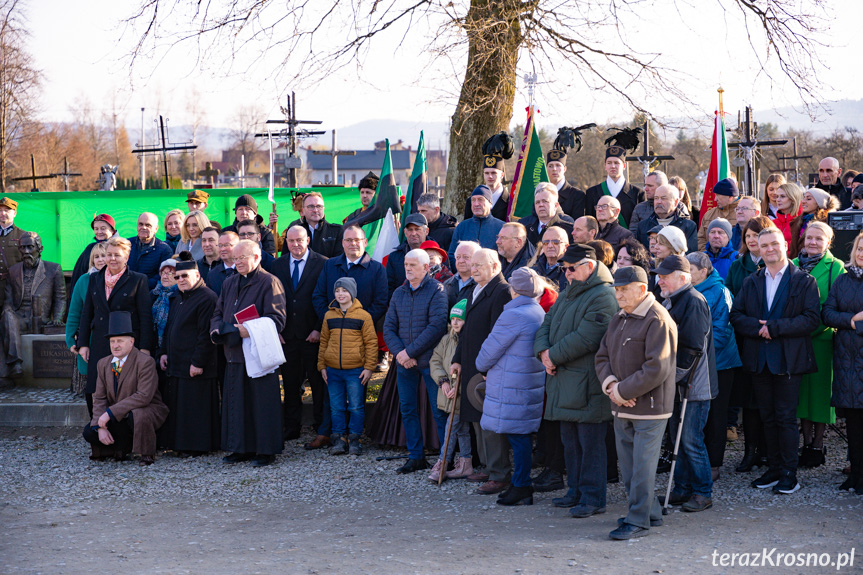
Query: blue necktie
{"x": 295, "y": 277}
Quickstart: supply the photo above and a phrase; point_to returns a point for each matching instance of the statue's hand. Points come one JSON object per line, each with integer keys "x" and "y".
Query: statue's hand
{"x": 56, "y": 323}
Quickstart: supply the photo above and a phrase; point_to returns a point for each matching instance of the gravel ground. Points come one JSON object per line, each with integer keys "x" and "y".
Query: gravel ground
{"x": 312, "y": 513}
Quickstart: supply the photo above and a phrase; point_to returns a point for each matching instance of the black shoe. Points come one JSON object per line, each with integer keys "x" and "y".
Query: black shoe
{"x": 628, "y": 531}
{"x": 750, "y": 458}
{"x": 653, "y": 522}
{"x": 236, "y": 458}
{"x": 291, "y": 435}
{"x": 517, "y": 496}
{"x": 846, "y": 485}
{"x": 340, "y": 446}
{"x": 615, "y": 478}
{"x": 664, "y": 465}
{"x": 676, "y": 499}
{"x": 263, "y": 460}
{"x": 413, "y": 465}
{"x": 548, "y": 480}
{"x": 582, "y": 510}
{"x": 769, "y": 479}
{"x": 565, "y": 501}
{"x": 812, "y": 457}
{"x": 355, "y": 448}
{"x": 787, "y": 484}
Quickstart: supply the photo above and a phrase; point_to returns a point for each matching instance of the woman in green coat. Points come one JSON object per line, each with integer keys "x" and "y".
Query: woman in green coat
{"x": 98, "y": 260}
{"x": 813, "y": 408}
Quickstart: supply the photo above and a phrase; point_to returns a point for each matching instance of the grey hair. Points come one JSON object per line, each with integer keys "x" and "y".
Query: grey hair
{"x": 256, "y": 249}
{"x": 660, "y": 176}
{"x": 420, "y": 256}
{"x": 429, "y": 199}
{"x": 701, "y": 261}
{"x": 474, "y": 246}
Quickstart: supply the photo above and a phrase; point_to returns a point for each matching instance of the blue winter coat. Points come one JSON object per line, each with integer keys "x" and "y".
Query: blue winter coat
{"x": 719, "y": 299}
{"x": 515, "y": 382}
{"x": 481, "y": 230}
{"x": 416, "y": 320}
{"x": 147, "y": 259}
{"x": 723, "y": 260}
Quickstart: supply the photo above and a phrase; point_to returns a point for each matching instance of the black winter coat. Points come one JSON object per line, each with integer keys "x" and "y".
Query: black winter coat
{"x": 572, "y": 201}
{"x": 302, "y": 319}
{"x": 691, "y": 313}
{"x": 132, "y": 294}
{"x": 844, "y": 301}
{"x": 498, "y": 210}
{"x": 791, "y": 334}
{"x": 479, "y": 320}
{"x": 187, "y": 334}
{"x": 327, "y": 239}
{"x": 531, "y": 224}
{"x": 441, "y": 230}
{"x": 455, "y": 295}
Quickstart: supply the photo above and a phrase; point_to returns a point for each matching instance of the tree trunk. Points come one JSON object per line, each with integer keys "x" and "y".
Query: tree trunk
{"x": 485, "y": 104}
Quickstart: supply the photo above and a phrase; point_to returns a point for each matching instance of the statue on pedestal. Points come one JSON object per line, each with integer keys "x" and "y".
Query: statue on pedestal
{"x": 108, "y": 177}
{"x": 35, "y": 300}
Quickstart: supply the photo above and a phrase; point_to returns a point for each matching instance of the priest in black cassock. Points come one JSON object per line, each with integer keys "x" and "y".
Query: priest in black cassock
{"x": 188, "y": 357}
{"x": 616, "y": 186}
{"x": 251, "y": 407}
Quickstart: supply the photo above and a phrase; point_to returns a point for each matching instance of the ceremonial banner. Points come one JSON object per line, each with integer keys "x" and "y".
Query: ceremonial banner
{"x": 718, "y": 163}
{"x": 378, "y": 222}
{"x": 529, "y": 172}
{"x": 417, "y": 185}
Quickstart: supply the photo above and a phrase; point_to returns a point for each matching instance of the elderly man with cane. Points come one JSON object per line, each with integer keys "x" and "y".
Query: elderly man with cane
{"x": 636, "y": 366}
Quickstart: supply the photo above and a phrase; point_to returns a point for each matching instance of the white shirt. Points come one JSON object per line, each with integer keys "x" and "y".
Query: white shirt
{"x": 561, "y": 183}
{"x": 476, "y": 292}
{"x": 302, "y": 261}
{"x": 614, "y": 187}
{"x": 496, "y": 194}
{"x": 350, "y": 263}
{"x": 122, "y": 360}
{"x": 771, "y": 284}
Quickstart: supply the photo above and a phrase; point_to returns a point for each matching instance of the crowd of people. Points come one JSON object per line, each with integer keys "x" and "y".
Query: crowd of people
{"x": 583, "y": 339}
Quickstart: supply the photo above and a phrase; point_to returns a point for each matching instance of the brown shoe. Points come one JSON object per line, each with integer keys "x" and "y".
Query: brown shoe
{"x": 479, "y": 477}
{"x": 146, "y": 460}
{"x": 317, "y": 443}
{"x": 491, "y": 487}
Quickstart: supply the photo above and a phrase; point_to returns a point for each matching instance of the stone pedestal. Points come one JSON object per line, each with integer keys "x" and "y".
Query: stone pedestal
{"x": 48, "y": 363}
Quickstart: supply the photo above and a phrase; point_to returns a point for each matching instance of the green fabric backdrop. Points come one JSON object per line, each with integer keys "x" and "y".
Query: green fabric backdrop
{"x": 63, "y": 219}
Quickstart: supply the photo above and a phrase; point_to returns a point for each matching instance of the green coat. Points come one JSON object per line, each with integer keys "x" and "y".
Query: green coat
{"x": 571, "y": 333}
{"x": 817, "y": 388}
{"x": 740, "y": 269}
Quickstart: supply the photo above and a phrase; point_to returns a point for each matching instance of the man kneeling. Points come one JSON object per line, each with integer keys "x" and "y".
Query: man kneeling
{"x": 127, "y": 407}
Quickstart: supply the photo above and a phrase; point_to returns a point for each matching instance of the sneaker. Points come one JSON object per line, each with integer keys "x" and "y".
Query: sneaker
{"x": 435, "y": 472}
{"x": 787, "y": 484}
{"x": 698, "y": 503}
{"x": 628, "y": 531}
{"x": 664, "y": 465}
{"x": 354, "y": 446}
{"x": 340, "y": 446}
{"x": 653, "y": 522}
{"x": 769, "y": 479}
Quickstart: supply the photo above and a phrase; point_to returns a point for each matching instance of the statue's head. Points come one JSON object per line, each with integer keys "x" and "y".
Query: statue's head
{"x": 30, "y": 246}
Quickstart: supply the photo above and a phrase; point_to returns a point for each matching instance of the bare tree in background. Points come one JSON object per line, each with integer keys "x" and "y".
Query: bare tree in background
{"x": 590, "y": 37}
{"x": 19, "y": 82}
{"x": 248, "y": 120}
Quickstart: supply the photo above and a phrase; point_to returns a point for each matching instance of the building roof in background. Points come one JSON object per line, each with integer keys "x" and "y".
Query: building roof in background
{"x": 364, "y": 160}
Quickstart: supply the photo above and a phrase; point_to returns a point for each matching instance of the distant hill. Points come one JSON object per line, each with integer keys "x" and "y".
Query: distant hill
{"x": 842, "y": 113}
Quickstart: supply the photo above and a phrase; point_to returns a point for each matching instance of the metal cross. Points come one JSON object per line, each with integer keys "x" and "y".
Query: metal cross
{"x": 164, "y": 149}
{"x": 66, "y": 174}
{"x": 33, "y": 177}
{"x": 750, "y": 145}
{"x": 796, "y": 157}
{"x": 647, "y": 157}
{"x": 291, "y": 134}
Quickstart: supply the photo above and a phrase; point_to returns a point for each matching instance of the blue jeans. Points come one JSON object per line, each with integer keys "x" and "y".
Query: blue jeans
{"x": 461, "y": 433}
{"x": 692, "y": 472}
{"x": 586, "y": 461}
{"x": 521, "y": 458}
{"x": 345, "y": 389}
{"x": 407, "y": 381}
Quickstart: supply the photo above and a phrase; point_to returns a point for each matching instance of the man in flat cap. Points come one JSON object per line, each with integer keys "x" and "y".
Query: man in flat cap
{"x": 416, "y": 231}
{"x": 197, "y": 200}
{"x": 636, "y": 367}
{"x": 566, "y": 343}
{"x": 9, "y": 236}
{"x": 616, "y": 186}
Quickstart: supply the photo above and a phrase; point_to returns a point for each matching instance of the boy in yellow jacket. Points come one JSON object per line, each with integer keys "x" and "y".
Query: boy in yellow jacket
{"x": 347, "y": 356}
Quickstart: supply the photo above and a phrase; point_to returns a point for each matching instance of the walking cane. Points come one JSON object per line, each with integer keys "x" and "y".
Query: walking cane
{"x": 448, "y": 430}
{"x": 679, "y": 432}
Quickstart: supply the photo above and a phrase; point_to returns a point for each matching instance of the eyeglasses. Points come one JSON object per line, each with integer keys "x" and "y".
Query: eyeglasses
{"x": 243, "y": 258}
{"x": 552, "y": 242}
{"x": 248, "y": 234}
{"x": 740, "y": 209}
{"x": 603, "y": 207}
{"x": 315, "y": 206}
{"x": 353, "y": 240}
{"x": 179, "y": 277}
{"x": 572, "y": 268}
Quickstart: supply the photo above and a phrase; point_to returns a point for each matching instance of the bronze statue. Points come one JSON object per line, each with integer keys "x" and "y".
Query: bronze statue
{"x": 35, "y": 299}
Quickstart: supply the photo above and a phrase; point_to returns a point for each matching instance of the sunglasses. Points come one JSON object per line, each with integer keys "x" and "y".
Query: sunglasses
{"x": 572, "y": 268}
{"x": 180, "y": 276}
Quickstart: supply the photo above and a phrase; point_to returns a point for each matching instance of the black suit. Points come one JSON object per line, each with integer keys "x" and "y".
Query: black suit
{"x": 132, "y": 294}
{"x": 572, "y": 201}
{"x": 629, "y": 197}
{"x": 498, "y": 210}
{"x": 301, "y": 356}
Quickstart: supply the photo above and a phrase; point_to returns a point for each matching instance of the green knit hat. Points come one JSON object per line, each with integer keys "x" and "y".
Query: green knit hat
{"x": 458, "y": 310}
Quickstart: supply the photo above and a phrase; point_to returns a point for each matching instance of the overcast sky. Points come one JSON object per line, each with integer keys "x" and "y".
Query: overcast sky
{"x": 81, "y": 48}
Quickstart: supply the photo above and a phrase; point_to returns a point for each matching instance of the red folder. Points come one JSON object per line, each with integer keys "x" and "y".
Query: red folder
{"x": 246, "y": 314}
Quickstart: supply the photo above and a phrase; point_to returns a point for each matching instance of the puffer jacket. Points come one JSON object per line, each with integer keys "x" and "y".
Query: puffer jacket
{"x": 348, "y": 338}
{"x": 481, "y": 230}
{"x": 844, "y": 301}
{"x": 719, "y": 300}
{"x": 516, "y": 378}
{"x": 723, "y": 260}
{"x": 439, "y": 366}
{"x": 416, "y": 320}
{"x": 571, "y": 332}
{"x": 637, "y": 351}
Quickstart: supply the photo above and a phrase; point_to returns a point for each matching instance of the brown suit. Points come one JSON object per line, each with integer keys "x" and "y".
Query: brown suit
{"x": 137, "y": 393}
{"x": 9, "y": 256}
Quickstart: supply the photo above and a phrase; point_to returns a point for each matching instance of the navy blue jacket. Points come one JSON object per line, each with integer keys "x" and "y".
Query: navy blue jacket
{"x": 687, "y": 226}
{"x": 147, "y": 259}
{"x": 371, "y": 281}
{"x": 396, "y": 267}
{"x": 217, "y": 277}
{"x": 416, "y": 320}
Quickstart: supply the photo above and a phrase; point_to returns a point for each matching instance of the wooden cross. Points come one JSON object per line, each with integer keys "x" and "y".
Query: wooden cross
{"x": 334, "y": 153}
{"x": 164, "y": 149}
{"x": 647, "y": 157}
{"x": 291, "y": 134}
{"x": 33, "y": 177}
{"x": 750, "y": 145}
{"x": 209, "y": 173}
{"x": 66, "y": 174}
{"x": 796, "y": 157}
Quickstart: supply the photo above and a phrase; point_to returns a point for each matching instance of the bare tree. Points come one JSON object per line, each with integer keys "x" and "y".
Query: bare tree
{"x": 19, "y": 82}
{"x": 248, "y": 120}
{"x": 591, "y": 37}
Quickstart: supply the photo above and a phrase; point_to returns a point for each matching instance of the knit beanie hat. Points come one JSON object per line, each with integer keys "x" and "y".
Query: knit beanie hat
{"x": 820, "y": 196}
{"x": 458, "y": 310}
{"x": 720, "y": 223}
{"x": 349, "y": 284}
{"x": 676, "y": 238}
